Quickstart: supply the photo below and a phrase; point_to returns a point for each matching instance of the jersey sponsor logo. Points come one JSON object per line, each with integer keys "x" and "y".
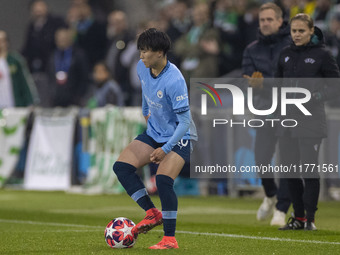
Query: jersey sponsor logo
{"x": 286, "y": 59}
{"x": 152, "y": 103}
{"x": 182, "y": 97}
{"x": 309, "y": 61}
{"x": 182, "y": 143}
{"x": 160, "y": 94}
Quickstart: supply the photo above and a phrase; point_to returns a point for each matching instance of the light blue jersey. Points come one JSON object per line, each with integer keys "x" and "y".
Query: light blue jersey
{"x": 163, "y": 97}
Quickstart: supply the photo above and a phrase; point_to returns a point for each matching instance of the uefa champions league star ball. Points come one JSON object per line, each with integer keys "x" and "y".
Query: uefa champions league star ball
{"x": 118, "y": 233}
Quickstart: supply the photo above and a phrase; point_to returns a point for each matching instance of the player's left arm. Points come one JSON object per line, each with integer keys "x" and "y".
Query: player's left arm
{"x": 182, "y": 127}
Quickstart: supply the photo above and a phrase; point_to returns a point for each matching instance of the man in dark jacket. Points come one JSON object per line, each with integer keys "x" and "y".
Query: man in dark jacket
{"x": 260, "y": 60}
{"x": 68, "y": 71}
{"x": 39, "y": 41}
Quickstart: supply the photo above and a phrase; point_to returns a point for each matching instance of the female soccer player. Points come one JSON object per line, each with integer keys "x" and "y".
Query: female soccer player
{"x": 306, "y": 57}
{"x": 166, "y": 141}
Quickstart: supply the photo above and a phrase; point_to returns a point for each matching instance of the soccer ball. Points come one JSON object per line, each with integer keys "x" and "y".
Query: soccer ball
{"x": 118, "y": 233}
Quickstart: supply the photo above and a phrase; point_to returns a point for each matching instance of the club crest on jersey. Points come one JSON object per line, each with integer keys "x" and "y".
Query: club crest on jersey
{"x": 159, "y": 94}
{"x": 286, "y": 59}
{"x": 309, "y": 60}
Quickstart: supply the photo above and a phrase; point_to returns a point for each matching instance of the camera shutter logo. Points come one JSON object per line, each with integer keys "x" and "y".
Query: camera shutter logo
{"x": 204, "y": 97}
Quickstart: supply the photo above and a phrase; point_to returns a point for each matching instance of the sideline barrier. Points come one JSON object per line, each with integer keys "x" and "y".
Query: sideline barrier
{"x": 106, "y": 131}
{"x": 12, "y": 137}
{"x": 49, "y": 158}
{"x": 112, "y": 129}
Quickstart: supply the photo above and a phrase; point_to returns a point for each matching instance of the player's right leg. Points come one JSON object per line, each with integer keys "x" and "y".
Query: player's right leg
{"x": 265, "y": 142}
{"x": 135, "y": 155}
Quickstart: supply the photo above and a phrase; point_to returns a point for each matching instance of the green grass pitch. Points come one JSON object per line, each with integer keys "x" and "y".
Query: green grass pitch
{"x": 61, "y": 223}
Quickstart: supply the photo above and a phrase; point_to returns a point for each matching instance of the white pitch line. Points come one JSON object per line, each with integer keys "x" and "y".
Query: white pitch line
{"x": 184, "y": 211}
{"x": 47, "y": 223}
{"x": 256, "y": 237}
{"x": 179, "y": 232}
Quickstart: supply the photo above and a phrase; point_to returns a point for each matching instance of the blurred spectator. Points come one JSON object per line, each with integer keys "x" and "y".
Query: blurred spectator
{"x": 303, "y": 6}
{"x": 199, "y": 47}
{"x": 250, "y": 22}
{"x": 91, "y": 34}
{"x": 39, "y": 41}
{"x": 73, "y": 17}
{"x": 286, "y": 6}
{"x": 179, "y": 21}
{"x": 17, "y": 88}
{"x": 333, "y": 36}
{"x": 321, "y": 12}
{"x": 178, "y": 25}
{"x": 129, "y": 59}
{"x": 227, "y": 18}
{"x": 105, "y": 90}
{"x": 68, "y": 71}
{"x": 333, "y": 43}
{"x": 119, "y": 37}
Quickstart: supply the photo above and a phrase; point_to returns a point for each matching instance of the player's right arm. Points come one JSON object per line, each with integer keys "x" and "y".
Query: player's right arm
{"x": 145, "y": 109}
{"x": 145, "y": 106}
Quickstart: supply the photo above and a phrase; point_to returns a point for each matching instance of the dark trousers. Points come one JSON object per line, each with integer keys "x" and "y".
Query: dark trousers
{"x": 304, "y": 192}
{"x": 265, "y": 142}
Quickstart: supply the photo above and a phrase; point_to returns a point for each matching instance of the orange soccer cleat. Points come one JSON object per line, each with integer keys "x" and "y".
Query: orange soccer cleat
{"x": 168, "y": 242}
{"x": 152, "y": 219}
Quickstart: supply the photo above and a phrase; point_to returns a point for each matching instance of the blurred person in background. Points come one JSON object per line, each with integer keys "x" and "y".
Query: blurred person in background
{"x": 180, "y": 21}
{"x": 39, "y": 44}
{"x": 198, "y": 49}
{"x": 261, "y": 56}
{"x": 306, "y": 57}
{"x": 250, "y": 22}
{"x": 72, "y": 17}
{"x": 68, "y": 71}
{"x": 227, "y": 17}
{"x": 129, "y": 58}
{"x": 321, "y": 14}
{"x": 17, "y": 88}
{"x": 90, "y": 33}
{"x": 39, "y": 40}
{"x": 119, "y": 36}
{"x": 332, "y": 38}
{"x": 105, "y": 90}
{"x": 286, "y": 6}
{"x": 303, "y": 6}
{"x": 179, "y": 24}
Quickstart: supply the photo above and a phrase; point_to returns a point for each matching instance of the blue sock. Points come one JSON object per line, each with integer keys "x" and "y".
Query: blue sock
{"x": 133, "y": 185}
{"x": 165, "y": 186}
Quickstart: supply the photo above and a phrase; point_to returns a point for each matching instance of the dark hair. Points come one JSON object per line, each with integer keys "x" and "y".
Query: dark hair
{"x": 102, "y": 63}
{"x": 32, "y": 2}
{"x": 305, "y": 18}
{"x": 155, "y": 40}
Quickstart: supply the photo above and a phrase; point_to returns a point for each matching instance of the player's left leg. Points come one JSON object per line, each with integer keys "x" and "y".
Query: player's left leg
{"x": 136, "y": 155}
{"x": 167, "y": 172}
{"x": 309, "y": 150}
